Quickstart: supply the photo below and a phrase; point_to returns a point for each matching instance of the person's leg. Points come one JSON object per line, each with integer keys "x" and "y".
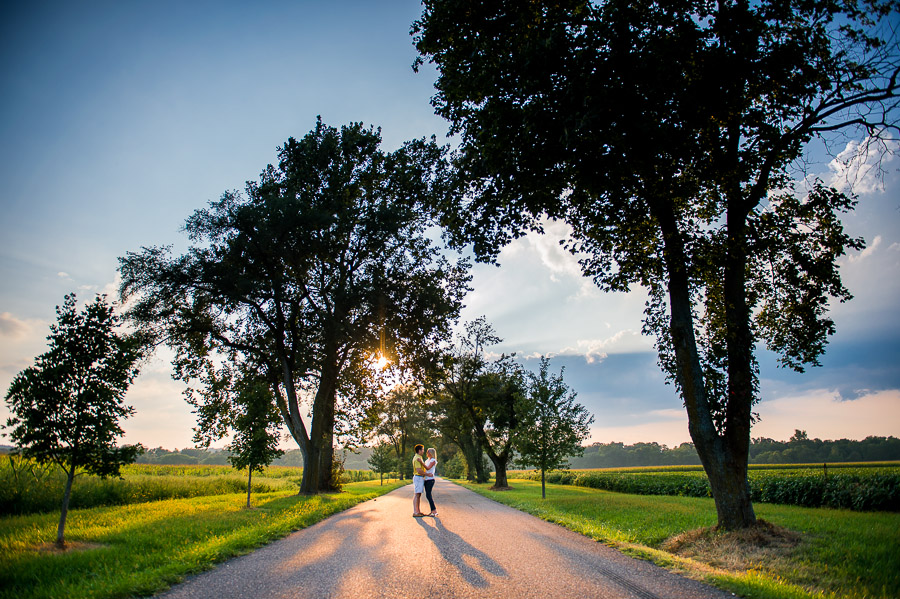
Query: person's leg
{"x": 429, "y": 484}
{"x": 416, "y": 501}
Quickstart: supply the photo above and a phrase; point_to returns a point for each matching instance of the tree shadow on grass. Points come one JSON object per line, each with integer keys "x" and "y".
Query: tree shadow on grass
{"x": 453, "y": 549}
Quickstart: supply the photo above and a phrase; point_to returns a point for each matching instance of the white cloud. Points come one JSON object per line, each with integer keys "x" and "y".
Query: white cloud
{"x": 868, "y": 251}
{"x": 63, "y": 275}
{"x": 860, "y": 166}
{"x": 596, "y": 350}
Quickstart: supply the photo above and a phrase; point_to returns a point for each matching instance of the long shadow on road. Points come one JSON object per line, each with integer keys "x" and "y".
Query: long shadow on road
{"x": 453, "y": 549}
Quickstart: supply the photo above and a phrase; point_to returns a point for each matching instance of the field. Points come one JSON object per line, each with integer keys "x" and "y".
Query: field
{"x": 862, "y": 487}
{"x": 160, "y": 523}
{"x": 142, "y": 548}
{"x": 26, "y": 488}
{"x": 821, "y": 553}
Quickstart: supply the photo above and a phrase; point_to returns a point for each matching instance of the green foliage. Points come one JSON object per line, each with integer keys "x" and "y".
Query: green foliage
{"x": 255, "y": 421}
{"x": 842, "y": 555}
{"x": 553, "y": 426}
{"x": 66, "y": 408}
{"x": 140, "y": 550}
{"x": 383, "y": 459}
{"x": 297, "y": 278}
{"x": 664, "y": 134}
{"x": 860, "y": 489}
{"x": 456, "y": 466}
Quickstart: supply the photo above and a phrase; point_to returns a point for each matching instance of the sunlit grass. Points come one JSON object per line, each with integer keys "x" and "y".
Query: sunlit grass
{"x": 842, "y": 553}
{"x": 140, "y": 549}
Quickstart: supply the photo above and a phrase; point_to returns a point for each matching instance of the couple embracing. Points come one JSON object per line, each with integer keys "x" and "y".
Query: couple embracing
{"x": 423, "y": 479}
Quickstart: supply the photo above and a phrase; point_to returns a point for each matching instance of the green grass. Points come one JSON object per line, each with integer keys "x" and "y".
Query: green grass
{"x": 142, "y": 548}
{"x": 842, "y": 554}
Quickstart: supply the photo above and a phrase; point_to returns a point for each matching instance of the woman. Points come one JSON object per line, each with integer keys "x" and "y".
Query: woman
{"x": 430, "y": 465}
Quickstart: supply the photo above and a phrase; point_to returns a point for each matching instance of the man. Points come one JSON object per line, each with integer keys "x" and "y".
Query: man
{"x": 418, "y": 464}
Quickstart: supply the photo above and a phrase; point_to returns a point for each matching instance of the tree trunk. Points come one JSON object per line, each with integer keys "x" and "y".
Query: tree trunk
{"x": 311, "y": 464}
{"x": 249, "y": 480}
{"x": 60, "y": 531}
{"x": 543, "y": 486}
{"x": 318, "y": 463}
{"x": 724, "y": 457}
{"x": 500, "y": 462}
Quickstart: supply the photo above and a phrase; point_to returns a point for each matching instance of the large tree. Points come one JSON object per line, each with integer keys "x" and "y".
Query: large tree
{"x": 300, "y": 276}
{"x": 67, "y": 407}
{"x": 665, "y": 134}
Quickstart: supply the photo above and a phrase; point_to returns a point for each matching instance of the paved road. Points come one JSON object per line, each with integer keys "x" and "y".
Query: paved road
{"x": 474, "y": 548}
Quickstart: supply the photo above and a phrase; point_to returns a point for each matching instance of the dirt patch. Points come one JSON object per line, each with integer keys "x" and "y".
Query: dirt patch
{"x": 71, "y": 546}
{"x": 496, "y": 488}
{"x": 762, "y": 545}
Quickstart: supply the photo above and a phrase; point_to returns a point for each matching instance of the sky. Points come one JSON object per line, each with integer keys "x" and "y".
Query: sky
{"x": 119, "y": 119}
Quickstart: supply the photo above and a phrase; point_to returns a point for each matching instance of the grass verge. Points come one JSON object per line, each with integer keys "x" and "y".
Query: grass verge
{"x": 142, "y": 549}
{"x": 837, "y": 554}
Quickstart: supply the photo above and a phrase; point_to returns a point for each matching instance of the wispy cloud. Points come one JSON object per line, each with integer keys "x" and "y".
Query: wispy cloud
{"x": 10, "y": 326}
{"x": 868, "y": 251}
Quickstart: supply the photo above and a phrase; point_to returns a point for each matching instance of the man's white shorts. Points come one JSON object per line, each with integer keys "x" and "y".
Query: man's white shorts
{"x": 418, "y": 484}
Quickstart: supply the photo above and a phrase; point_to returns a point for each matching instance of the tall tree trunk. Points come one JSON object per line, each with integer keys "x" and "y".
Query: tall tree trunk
{"x": 317, "y": 464}
{"x": 249, "y": 481}
{"x": 723, "y": 459}
{"x": 60, "y": 531}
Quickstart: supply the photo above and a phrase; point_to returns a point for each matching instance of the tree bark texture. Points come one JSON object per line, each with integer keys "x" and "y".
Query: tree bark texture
{"x": 724, "y": 456}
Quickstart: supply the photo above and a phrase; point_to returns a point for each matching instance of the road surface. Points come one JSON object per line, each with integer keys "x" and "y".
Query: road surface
{"x": 474, "y": 548}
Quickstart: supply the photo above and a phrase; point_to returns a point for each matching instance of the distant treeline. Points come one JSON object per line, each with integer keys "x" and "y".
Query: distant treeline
{"x": 799, "y": 449}
{"x": 219, "y": 457}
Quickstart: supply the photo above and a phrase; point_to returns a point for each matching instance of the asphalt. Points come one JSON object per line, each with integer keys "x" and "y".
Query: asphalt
{"x": 475, "y": 547}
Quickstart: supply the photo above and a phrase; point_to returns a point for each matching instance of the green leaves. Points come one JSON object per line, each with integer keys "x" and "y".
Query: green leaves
{"x": 66, "y": 408}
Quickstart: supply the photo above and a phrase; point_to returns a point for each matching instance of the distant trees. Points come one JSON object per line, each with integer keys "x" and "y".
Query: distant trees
{"x": 478, "y": 402}
{"x": 552, "y": 425}
{"x": 762, "y": 451}
{"x": 400, "y": 419}
{"x": 383, "y": 460}
{"x": 665, "y": 135}
{"x": 302, "y": 275}
{"x": 66, "y": 408}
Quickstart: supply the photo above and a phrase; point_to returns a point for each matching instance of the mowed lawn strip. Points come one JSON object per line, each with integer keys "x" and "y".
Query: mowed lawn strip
{"x": 841, "y": 554}
{"x": 141, "y": 549}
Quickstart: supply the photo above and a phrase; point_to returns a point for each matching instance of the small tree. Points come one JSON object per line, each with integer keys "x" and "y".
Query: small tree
{"x": 66, "y": 408}
{"x": 553, "y": 426}
{"x": 255, "y": 421}
{"x": 382, "y": 459}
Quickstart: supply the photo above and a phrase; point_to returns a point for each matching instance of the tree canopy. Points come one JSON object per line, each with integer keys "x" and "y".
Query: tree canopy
{"x": 666, "y": 135}
{"x": 301, "y": 275}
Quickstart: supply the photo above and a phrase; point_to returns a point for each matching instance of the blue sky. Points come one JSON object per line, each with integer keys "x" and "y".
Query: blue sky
{"x": 117, "y": 120}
